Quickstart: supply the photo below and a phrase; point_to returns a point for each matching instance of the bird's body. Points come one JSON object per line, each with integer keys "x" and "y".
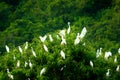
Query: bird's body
{"x": 18, "y": 63}
{"x": 107, "y": 54}
{"x": 108, "y": 73}
{"x": 30, "y": 64}
{"x": 33, "y": 52}
{"x": 51, "y": 39}
{"x": 45, "y": 48}
{"x": 83, "y": 32}
{"x": 63, "y": 41}
{"x": 42, "y": 71}
{"x": 26, "y": 64}
{"x": 119, "y": 51}
{"x": 20, "y": 49}
{"x": 43, "y": 38}
{"x": 26, "y": 46}
{"x": 62, "y": 54}
{"x": 68, "y": 31}
{"x": 7, "y": 49}
{"x": 117, "y": 69}
{"x": 91, "y": 63}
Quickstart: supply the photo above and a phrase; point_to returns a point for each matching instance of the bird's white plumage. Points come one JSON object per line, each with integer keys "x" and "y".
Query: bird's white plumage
{"x": 30, "y": 64}
{"x": 83, "y": 32}
{"x": 26, "y": 45}
{"x": 108, "y": 73}
{"x": 117, "y": 69}
{"x": 107, "y": 54}
{"x": 91, "y": 63}
{"x": 26, "y": 63}
{"x": 62, "y": 54}
{"x": 20, "y": 49}
{"x": 18, "y": 63}
{"x": 51, "y": 39}
{"x": 62, "y": 33}
{"x": 7, "y": 48}
{"x": 45, "y": 48}
{"x": 33, "y": 52}
{"x": 43, "y": 38}
{"x": 68, "y": 30}
{"x": 63, "y": 41}
{"x": 42, "y": 71}
{"x": 119, "y": 51}
{"x": 115, "y": 60}
{"x": 77, "y": 40}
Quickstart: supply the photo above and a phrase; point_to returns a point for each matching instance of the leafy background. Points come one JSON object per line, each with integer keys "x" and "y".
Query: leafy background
{"x": 26, "y": 20}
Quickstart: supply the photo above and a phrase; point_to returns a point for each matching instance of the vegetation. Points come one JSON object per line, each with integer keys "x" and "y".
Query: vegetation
{"x": 25, "y": 20}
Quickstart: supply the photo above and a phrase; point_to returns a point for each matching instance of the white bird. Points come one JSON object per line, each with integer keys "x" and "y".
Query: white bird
{"x": 26, "y": 45}
{"x": 115, "y": 60}
{"x": 43, "y": 38}
{"x": 63, "y": 41}
{"x": 77, "y": 40}
{"x": 99, "y": 52}
{"x": 30, "y": 64}
{"x": 84, "y": 31}
{"x": 33, "y": 52}
{"x": 18, "y": 63}
{"x": 26, "y": 63}
{"x": 62, "y": 54}
{"x": 68, "y": 31}
{"x": 9, "y": 74}
{"x": 51, "y": 39}
{"x": 119, "y": 51}
{"x": 14, "y": 57}
{"x": 20, "y": 49}
{"x": 62, "y": 33}
{"x": 42, "y": 71}
{"x": 91, "y": 63}
{"x": 107, "y": 54}
{"x": 108, "y": 73}
{"x": 45, "y": 48}
{"x": 117, "y": 69}
{"x": 7, "y": 48}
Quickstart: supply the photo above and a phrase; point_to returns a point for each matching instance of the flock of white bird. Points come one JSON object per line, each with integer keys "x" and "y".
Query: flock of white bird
{"x": 62, "y": 34}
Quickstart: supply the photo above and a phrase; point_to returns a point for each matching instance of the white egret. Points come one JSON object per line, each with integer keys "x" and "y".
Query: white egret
{"x": 45, "y": 48}
{"x": 42, "y": 71}
{"x": 99, "y": 52}
{"x": 26, "y": 63}
{"x": 26, "y": 45}
{"x": 18, "y": 63}
{"x": 115, "y": 60}
{"x": 62, "y": 33}
{"x": 77, "y": 40}
{"x": 91, "y": 63}
{"x": 68, "y": 31}
{"x": 84, "y": 31}
{"x": 51, "y": 39}
{"x": 63, "y": 40}
{"x": 119, "y": 51}
{"x": 108, "y": 73}
{"x": 20, "y": 49}
{"x": 30, "y": 64}
{"x": 107, "y": 54}
{"x": 62, "y": 54}
{"x": 9, "y": 74}
{"x": 117, "y": 69}
{"x": 33, "y": 52}
{"x": 7, "y": 48}
{"x": 43, "y": 38}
